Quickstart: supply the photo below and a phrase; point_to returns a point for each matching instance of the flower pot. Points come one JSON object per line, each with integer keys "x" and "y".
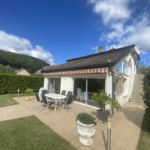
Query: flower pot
{"x": 102, "y": 115}
{"x": 86, "y": 133}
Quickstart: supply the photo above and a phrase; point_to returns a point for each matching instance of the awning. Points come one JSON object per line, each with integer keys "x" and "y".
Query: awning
{"x": 85, "y": 71}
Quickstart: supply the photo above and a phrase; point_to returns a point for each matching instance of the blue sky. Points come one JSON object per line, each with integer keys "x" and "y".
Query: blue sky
{"x": 57, "y": 30}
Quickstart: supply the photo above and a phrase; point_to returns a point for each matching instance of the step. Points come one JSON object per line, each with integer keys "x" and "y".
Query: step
{"x": 137, "y": 93}
{"x": 137, "y": 96}
{"x": 137, "y": 103}
{"x": 141, "y": 84}
{"x": 137, "y": 89}
{"x": 137, "y": 100}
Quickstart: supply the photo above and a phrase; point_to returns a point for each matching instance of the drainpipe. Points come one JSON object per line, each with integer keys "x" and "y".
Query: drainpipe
{"x": 113, "y": 95}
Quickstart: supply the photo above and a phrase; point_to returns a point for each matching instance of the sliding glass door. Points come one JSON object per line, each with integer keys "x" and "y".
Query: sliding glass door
{"x": 85, "y": 88}
{"x": 80, "y": 90}
{"x": 95, "y": 86}
{"x": 54, "y": 85}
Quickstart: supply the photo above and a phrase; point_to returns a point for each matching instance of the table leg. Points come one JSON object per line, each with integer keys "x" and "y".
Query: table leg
{"x": 55, "y": 104}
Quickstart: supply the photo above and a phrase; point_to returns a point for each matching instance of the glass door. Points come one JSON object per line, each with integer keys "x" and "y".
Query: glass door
{"x": 80, "y": 90}
{"x": 95, "y": 85}
{"x": 54, "y": 85}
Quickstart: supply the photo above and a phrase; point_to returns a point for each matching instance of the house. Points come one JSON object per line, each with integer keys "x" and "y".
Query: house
{"x": 22, "y": 71}
{"x": 38, "y": 73}
{"x": 111, "y": 71}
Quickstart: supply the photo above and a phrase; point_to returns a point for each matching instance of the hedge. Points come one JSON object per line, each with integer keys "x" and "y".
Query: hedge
{"x": 146, "y": 88}
{"x": 10, "y": 83}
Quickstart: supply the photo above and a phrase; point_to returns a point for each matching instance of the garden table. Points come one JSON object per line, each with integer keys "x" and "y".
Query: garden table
{"x": 55, "y": 97}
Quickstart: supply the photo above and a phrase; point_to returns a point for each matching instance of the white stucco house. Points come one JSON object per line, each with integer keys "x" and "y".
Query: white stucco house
{"x": 95, "y": 73}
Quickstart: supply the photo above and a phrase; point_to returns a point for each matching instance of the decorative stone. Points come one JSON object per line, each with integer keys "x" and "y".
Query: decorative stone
{"x": 86, "y": 133}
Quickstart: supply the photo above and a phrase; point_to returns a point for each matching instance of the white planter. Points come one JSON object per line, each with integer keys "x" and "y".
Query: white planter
{"x": 86, "y": 133}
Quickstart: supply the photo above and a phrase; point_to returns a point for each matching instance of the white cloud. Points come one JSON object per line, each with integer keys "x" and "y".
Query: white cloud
{"x": 137, "y": 33}
{"x": 12, "y": 43}
{"x": 95, "y": 49}
{"x": 148, "y": 1}
{"x": 112, "y": 10}
{"x": 143, "y": 52}
{"x": 123, "y": 29}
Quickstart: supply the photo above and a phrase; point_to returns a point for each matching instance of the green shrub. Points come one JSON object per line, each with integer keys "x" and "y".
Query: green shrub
{"x": 10, "y": 83}
{"x": 28, "y": 90}
{"x": 86, "y": 119}
{"x": 103, "y": 98}
{"x": 146, "y": 88}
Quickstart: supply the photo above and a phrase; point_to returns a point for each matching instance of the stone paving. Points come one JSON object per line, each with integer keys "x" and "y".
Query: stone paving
{"x": 126, "y": 124}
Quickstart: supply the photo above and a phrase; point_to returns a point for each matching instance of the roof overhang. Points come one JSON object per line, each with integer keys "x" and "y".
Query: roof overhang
{"x": 76, "y": 72}
{"x": 135, "y": 52}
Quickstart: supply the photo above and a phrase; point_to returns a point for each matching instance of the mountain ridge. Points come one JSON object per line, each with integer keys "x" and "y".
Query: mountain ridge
{"x": 18, "y": 61}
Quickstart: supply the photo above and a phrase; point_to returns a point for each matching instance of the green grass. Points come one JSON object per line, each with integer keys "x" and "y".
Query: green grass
{"x": 144, "y": 140}
{"x": 30, "y": 134}
{"x": 7, "y": 99}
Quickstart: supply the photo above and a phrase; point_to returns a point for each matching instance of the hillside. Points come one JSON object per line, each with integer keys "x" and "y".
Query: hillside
{"x": 18, "y": 61}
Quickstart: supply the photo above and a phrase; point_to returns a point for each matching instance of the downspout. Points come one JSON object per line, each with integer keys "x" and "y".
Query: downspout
{"x": 113, "y": 95}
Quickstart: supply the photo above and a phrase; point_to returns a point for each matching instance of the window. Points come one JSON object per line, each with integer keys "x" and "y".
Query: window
{"x": 125, "y": 66}
{"x": 122, "y": 67}
{"x": 125, "y": 93}
{"x": 130, "y": 66}
{"x": 54, "y": 85}
{"x": 119, "y": 68}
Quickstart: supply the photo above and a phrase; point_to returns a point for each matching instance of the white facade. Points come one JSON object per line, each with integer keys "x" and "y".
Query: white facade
{"x": 124, "y": 79}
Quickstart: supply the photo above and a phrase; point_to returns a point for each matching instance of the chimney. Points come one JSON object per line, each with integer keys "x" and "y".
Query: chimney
{"x": 100, "y": 49}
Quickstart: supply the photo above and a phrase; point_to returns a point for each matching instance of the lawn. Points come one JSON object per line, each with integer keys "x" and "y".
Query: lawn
{"x": 30, "y": 134}
{"x": 7, "y": 99}
{"x": 144, "y": 140}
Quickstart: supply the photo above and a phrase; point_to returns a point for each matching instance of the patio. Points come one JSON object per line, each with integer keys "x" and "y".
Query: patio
{"x": 126, "y": 124}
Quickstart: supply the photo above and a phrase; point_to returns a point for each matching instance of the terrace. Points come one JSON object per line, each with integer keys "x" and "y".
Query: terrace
{"x": 126, "y": 124}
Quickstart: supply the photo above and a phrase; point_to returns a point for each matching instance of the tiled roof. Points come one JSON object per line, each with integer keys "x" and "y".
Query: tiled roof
{"x": 91, "y": 61}
{"x": 17, "y": 71}
{"x": 38, "y": 73}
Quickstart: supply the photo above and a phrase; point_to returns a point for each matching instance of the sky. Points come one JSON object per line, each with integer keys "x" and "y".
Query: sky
{"x": 57, "y": 30}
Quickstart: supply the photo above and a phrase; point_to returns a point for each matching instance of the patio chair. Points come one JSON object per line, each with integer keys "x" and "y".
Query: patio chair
{"x": 45, "y": 102}
{"x": 44, "y": 92}
{"x": 63, "y": 92}
{"x": 37, "y": 100}
{"x": 68, "y": 94}
{"x": 67, "y": 102}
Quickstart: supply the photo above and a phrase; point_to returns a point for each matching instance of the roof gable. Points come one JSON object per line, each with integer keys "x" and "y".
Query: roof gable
{"x": 92, "y": 61}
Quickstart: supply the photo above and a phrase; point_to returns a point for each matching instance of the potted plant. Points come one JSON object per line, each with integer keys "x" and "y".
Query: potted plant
{"x": 28, "y": 90}
{"x": 104, "y": 99}
{"x": 86, "y": 128}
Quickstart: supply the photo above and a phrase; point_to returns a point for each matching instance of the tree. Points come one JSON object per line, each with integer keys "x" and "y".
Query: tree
{"x": 142, "y": 67}
{"x": 146, "y": 89}
{"x": 6, "y": 69}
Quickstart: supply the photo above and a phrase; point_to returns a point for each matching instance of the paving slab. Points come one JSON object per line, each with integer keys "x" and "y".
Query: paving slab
{"x": 126, "y": 124}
